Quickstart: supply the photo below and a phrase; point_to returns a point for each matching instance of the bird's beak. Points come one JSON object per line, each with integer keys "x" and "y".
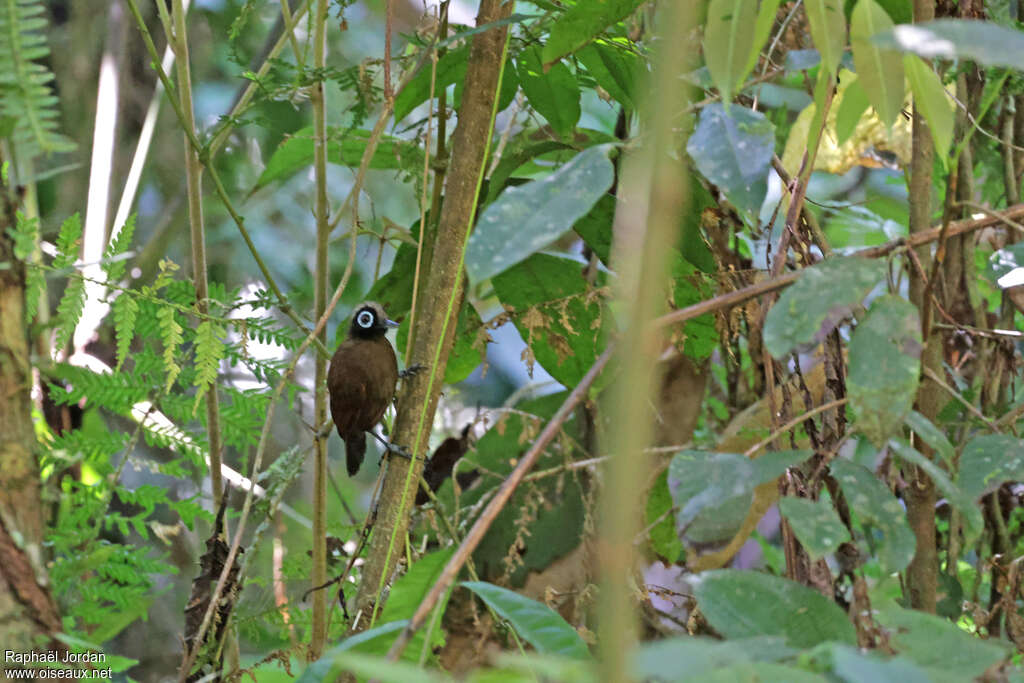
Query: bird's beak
{"x": 391, "y": 323}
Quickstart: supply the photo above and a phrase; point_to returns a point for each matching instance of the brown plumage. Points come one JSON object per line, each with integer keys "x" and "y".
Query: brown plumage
{"x": 362, "y": 380}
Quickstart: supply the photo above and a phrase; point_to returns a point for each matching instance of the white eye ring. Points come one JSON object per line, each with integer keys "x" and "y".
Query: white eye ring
{"x": 365, "y": 320}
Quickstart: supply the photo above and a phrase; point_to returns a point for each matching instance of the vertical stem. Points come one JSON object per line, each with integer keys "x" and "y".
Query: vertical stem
{"x": 653, "y": 180}
{"x": 194, "y": 183}
{"x": 321, "y": 276}
{"x": 920, "y": 496}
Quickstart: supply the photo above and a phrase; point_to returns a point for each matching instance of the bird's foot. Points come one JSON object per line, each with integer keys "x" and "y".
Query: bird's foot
{"x": 412, "y": 370}
{"x": 393, "y": 448}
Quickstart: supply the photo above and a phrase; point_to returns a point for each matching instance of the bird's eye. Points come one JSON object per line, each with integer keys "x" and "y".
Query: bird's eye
{"x": 365, "y": 320}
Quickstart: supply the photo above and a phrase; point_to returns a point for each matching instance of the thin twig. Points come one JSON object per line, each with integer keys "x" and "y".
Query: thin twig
{"x": 749, "y": 453}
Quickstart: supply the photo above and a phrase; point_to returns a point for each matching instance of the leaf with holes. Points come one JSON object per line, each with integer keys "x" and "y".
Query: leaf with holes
{"x": 825, "y": 294}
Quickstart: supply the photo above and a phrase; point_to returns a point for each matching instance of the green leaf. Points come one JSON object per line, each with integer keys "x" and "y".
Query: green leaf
{"x": 744, "y": 604}
{"x": 693, "y": 657}
{"x": 690, "y": 286}
{"x": 826, "y": 293}
{"x": 559, "y": 315}
{"x": 985, "y": 42}
{"x": 733, "y": 149}
{"x": 989, "y": 460}
{"x": 170, "y": 335}
{"x": 68, "y": 239}
{"x": 853, "y": 666}
{"x": 828, "y": 29}
{"x": 538, "y": 624}
{"x": 713, "y": 490}
{"x": 112, "y": 265}
{"x": 554, "y": 93}
{"x": 595, "y": 227}
{"x": 879, "y": 70}
{"x": 514, "y": 158}
{"x": 816, "y": 525}
{"x": 616, "y": 69}
{"x": 958, "y": 499}
{"x": 851, "y": 108}
{"x": 728, "y": 42}
{"x": 126, "y": 311}
{"x": 529, "y": 217}
{"x": 762, "y": 29}
{"x": 209, "y": 352}
{"x": 581, "y": 23}
{"x": 876, "y": 506}
{"x": 344, "y": 147}
{"x": 942, "y": 649}
{"x": 664, "y": 540}
{"x": 347, "y": 658}
{"x": 934, "y": 103}
{"x": 25, "y": 235}
{"x": 69, "y": 310}
{"x": 466, "y": 354}
{"x": 405, "y": 597}
{"x": 885, "y": 365}
{"x": 931, "y": 435}
{"x": 451, "y": 68}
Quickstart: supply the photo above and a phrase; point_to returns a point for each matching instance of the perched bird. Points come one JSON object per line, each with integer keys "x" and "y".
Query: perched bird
{"x": 362, "y": 380}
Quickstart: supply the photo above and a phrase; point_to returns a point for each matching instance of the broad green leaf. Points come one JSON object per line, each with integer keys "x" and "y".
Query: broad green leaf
{"x": 734, "y": 151}
{"x": 876, "y": 506}
{"x": 762, "y": 29}
{"x": 828, "y": 29}
{"x": 825, "y": 294}
{"x": 559, "y": 315}
{"x": 664, "y": 540}
{"x": 527, "y": 218}
{"x": 712, "y": 491}
{"x": 595, "y": 227}
{"x": 405, "y": 596}
{"x": 728, "y": 42}
{"x": 616, "y": 69}
{"x": 853, "y": 666}
{"x": 531, "y": 667}
{"x": 851, "y": 108}
{"x": 985, "y": 42}
{"x": 957, "y": 498}
{"x": 932, "y": 100}
{"x": 744, "y": 604}
{"x": 344, "y": 147}
{"x": 946, "y": 652}
{"x": 879, "y": 70}
{"x": 761, "y": 672}
{"x": 989, "y": 460}
{"x": 816, "y": 525}
{"x": 581, "y": 23}
{"x": 885, "y": 365}
{"x": 931, "y": 435}
{"x": 514, "y": 158}
{"x": 350, "y": 657}
{"x": 538, "y": 624}
{"x": 465, "y": 355}
{"x": 691, "y": 657}
{"x": 451, "y": 68}
{"x": 554, "y": 93}
{"x": 699, "y": 337}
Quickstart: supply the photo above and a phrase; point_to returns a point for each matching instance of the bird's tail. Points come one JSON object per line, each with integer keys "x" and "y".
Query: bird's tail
{"x": 355, "y": 450}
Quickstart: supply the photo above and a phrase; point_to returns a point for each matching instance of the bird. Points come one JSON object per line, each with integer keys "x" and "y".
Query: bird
{"x": 362, "y": 379}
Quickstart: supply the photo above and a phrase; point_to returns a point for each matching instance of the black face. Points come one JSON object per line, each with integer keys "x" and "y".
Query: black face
{"x": 369, "y": 321}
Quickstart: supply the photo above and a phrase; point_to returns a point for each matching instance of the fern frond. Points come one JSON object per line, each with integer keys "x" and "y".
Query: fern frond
{"x": 170, "y": 334}
{"x": 25, "y": 96}
{"x": 25, "y": 235}
{"x": 67, "y": 242}
{"x": 69, "y": 310}
{"x": 112, "y": 266}
{"x": 126, "y": 311}
{"x": 209, "y": 352}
